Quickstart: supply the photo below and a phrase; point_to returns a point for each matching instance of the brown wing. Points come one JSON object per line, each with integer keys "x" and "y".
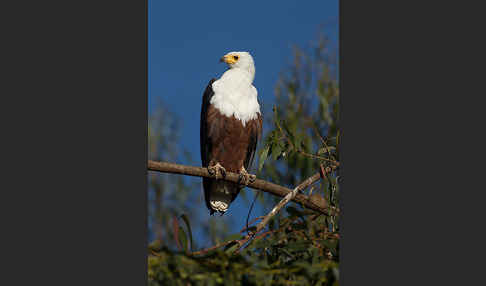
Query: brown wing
{"x": 205, "y": 141}
{"x": 255, "y": 127}
{"x": 205, "y": 144}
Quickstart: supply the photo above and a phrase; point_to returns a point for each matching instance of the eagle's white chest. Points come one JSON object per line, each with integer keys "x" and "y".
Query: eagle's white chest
{"x": 234, "y": 95}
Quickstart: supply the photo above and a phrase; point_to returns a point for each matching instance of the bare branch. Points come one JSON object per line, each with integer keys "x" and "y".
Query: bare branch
{"x": 258, "y": 184}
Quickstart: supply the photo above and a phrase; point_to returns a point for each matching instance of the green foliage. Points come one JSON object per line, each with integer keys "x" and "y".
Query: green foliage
{"x": 298, "y": 253}
{"x": 221, "y": 268}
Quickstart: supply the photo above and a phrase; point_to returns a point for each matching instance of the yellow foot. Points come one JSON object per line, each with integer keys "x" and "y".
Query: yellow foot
{"x": 217, "y": 171}
{"x": 246, "y": 178}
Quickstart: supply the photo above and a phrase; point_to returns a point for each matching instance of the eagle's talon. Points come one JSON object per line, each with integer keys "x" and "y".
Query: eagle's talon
{"x": 241, "y": 179}
{"x": 246, "y": 178}
{"x": 217, "y": 171}
{"x": 223, "y": 172}
{"x": 211, "y": 171}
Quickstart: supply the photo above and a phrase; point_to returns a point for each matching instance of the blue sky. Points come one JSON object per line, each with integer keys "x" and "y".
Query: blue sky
{"x": 187, "y": 39}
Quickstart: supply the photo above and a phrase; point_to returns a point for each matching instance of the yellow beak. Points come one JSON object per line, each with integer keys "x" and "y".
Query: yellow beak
{"x": 228, "y": 59}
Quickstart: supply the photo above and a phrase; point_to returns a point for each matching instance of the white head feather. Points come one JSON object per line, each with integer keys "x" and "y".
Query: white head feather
{"x": 234, "y": 93}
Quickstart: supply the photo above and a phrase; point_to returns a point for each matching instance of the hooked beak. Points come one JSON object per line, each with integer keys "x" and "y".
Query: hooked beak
{"x": 229, "y": 59}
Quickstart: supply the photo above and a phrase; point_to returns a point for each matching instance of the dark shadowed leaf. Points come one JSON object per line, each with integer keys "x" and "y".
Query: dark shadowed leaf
{"x": 263, "y": 157}
{"x": 298, "y": 245}
{"x": 183, "y": 239}
{"x": 230, "y": 248}
{"x": 188, "y": 225}
{"x": 324, "y": 150}
{"x": 233, "y": 237}
{"x": 287, "y": 129}
{"x": 276, "y": 151}
{"x": 175, "y": 228}
{"x": 293, "y": 211}
{"x": 155, "y": 245}
{"x": 275, "y": 113}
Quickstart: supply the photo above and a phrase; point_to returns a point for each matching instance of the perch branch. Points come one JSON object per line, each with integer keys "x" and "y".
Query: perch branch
{"x": 320, "y": 206}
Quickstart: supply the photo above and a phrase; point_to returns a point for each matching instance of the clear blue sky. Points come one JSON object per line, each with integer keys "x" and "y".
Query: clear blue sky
{"x": 187, "y": 39}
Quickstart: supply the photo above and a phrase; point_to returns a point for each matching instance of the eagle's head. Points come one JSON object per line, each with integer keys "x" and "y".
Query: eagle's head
{"x": 240, "y": 60}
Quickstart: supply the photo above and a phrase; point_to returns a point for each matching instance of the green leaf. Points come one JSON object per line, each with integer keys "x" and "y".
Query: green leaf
{"x": 175, "y": 228}
{"x": 276, "y": 151}
{"x": 330, "y": 243}
{"x": 263, "y": 157}
{"x": 271, "y": 224}
{"x": 294, "y": 211}
{"x": 183, "y": 238}
{"x": 324, "y": 150}
{"x": 186, "y": 220}
{"x": 230, "y": 248}
{"x": 155, "y": 245}
{"x": 287, "y": 129}
{"x": 233, "y": 237}
{"x": 275, "y": 112}
{"x": 298, "y": 246}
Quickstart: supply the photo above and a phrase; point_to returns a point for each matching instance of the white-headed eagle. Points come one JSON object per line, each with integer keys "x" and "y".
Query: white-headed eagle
{"x": 231, "y": 123}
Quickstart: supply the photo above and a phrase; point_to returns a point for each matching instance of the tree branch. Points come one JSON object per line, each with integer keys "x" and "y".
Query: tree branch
{"x": 320, "y": 206}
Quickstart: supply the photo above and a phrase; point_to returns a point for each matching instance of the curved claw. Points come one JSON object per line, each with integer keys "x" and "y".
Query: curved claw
{"x": 242, "y": 179}
{"x": 217, "y": 171}
{"x": 222, "y": 171}
{"x": 246, "y": 178}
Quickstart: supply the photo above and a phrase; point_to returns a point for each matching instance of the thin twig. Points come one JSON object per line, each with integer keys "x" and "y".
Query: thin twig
{"x": 251, "y": 222}
{"x": 316, "y": 157}
{"x": 206, "y": 250}
{"x": 155, "y": 253}
{"x": 251, "y": 208}
{"x": 316, "y": 131}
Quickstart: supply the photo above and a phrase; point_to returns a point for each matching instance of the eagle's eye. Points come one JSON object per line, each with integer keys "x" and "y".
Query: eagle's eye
{"x": 235, "y": 57}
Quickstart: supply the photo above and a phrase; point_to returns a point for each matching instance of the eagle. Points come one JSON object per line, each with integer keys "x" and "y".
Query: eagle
{"x": 231, "y": 124}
